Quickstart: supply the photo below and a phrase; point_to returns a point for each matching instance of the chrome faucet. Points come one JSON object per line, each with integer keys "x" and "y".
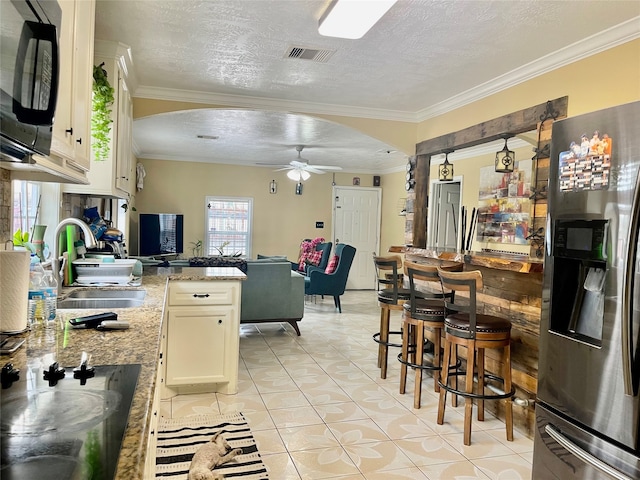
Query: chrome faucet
{"x": 89, "y": 241}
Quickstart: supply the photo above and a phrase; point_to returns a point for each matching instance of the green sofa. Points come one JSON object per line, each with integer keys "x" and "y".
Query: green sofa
{"x": 272, "y": 292}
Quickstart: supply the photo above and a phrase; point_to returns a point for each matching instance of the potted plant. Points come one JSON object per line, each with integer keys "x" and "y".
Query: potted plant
{"x": 197, "y": 248}
{"x": 101, "y": 120}
{"x": 21, "y": 241}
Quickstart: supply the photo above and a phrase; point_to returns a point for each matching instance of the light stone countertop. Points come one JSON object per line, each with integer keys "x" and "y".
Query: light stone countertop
{"x": 139, "y": 344}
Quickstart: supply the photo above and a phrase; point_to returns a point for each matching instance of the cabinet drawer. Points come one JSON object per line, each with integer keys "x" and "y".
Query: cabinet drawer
{"x": 202, "y": 293}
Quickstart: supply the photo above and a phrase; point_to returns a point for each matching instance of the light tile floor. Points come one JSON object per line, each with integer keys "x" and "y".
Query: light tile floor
{"x": 318, "y": 408}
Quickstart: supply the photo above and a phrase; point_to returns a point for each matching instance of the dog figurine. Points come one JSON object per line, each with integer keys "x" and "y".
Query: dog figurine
{"x": 213, "y": 453}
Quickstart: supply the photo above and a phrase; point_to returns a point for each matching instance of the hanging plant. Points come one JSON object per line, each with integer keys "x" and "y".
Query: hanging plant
{"x": 101, "y": 113}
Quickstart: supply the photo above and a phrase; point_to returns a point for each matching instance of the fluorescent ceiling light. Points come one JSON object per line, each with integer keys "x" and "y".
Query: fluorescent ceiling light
{"x": 352, "y": 18}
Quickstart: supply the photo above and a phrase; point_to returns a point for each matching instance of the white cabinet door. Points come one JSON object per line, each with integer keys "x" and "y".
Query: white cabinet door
{"x": 83, "y": 82}
{"x": 123, "y": 133}
{"x": 152, "y": 439}
{"x": 203, "y": 333}
{"x": 72, "y": 123}
{"x": 62, "y": 138}
{"x": 197, "y": 339}
{"x": 113, "y": 176}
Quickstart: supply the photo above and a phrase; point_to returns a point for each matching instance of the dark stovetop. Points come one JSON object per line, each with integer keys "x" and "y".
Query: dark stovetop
{"x": 67, "y": 429}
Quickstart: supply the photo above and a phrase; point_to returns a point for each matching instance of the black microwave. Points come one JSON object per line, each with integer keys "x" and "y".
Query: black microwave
{"x": 28, "y": 76}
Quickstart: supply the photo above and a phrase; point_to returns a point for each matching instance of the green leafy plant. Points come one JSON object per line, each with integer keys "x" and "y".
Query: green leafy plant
{"x": 197, "y": 248}
{"x": 21, "y": 239}
{"x": 101, "y": 113}
{"x": 221, "y": 248}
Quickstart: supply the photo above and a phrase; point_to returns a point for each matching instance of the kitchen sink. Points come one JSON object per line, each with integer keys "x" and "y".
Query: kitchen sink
{"x": 103, "y": 298}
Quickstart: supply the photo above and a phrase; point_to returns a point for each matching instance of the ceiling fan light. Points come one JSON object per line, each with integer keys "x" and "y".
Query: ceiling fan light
{"x": 294, "y": 175}
{"x": 305, "y": 175}
{"x": 352, "y": 18}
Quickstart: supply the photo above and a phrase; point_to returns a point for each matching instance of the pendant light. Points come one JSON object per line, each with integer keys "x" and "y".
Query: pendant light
{"x": 445, "y": 170}
{"x": 505, "y": 158}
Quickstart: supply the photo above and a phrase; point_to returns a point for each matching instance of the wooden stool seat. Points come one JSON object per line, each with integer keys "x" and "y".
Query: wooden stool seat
{"x": 427, "y": 307}
{"x": 463, "y": 326}
{"x": 388, "y": 296}
{"x": 484, "y": 324}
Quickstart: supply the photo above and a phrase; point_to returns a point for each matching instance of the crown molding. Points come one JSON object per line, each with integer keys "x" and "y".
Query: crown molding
{"x": 122, "y": 54}
{"x": 274, "y": 104}
{"x": 599, "y": 42}
{"x": 186, "y": 158}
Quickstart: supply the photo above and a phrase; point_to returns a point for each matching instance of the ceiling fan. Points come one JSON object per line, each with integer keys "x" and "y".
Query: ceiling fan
{"x": 301, "y": 170}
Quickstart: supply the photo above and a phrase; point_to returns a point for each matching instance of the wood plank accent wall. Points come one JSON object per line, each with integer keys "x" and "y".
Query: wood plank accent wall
{"x": 510, "y": 294}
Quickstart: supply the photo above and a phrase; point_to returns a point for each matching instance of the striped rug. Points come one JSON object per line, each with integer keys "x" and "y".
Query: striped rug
{"x": 178, "y": 440}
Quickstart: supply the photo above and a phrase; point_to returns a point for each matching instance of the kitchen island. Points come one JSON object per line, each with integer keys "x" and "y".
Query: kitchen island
{"x": 140, "y": 344}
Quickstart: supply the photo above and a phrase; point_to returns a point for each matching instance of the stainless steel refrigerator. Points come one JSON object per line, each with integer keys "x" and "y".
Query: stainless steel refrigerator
{"x": 588, "y": 409}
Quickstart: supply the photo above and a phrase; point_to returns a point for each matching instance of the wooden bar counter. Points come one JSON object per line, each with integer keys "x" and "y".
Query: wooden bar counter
{"x": 513, "y": 290}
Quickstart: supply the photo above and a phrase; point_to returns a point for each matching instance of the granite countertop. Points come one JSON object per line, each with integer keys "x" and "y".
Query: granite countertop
{"x": 139, "y": 344}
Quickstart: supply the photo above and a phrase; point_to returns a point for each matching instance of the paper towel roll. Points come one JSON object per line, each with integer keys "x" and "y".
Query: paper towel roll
{"x": 14, "y": 290}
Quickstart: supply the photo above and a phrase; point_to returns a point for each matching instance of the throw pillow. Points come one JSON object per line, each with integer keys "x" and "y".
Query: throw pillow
{"x": 314, "y": 258}
{"x": 302, "y": 262}
{"x": 333, "y": 264}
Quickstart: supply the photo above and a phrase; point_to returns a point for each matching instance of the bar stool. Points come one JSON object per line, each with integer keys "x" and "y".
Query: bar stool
{"x": 391, "y": 296}
{"x": 464, "y": 326}
{"x": 423, "y": 310}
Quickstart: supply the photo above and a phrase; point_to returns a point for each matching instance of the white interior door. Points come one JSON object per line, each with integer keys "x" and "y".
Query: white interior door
{"x": 449, "y": 206}
{"x": 356, "y": 222}
{"x": 444, "y": 215}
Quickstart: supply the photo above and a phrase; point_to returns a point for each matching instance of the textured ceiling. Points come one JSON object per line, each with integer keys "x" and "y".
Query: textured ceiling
{"x": 420, "y": 57}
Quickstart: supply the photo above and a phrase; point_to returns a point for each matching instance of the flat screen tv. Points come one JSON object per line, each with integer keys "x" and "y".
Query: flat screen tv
{"x": 160, "y": 234}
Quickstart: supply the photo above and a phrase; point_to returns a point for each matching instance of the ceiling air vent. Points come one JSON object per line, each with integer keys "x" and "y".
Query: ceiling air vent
{"x": 320, "y": 55}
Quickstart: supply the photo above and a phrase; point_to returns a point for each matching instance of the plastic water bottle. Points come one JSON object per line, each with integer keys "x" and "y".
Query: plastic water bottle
{"x": 50, "y": 289}
{"x": 37, "y": 306}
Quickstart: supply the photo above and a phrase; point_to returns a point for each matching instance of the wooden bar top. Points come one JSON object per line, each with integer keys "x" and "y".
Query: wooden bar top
{"x": 513, "y": 263}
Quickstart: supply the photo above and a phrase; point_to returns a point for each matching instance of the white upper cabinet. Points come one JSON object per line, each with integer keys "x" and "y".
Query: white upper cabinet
{"x": 114, "y": 176}
{"x": 72, "y": 124}
{"x": 124, "y": 125}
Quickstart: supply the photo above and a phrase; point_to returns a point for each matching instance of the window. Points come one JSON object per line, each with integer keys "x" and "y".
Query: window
{"x": 228, "y": 226}
{"x": 26, "y": 205}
